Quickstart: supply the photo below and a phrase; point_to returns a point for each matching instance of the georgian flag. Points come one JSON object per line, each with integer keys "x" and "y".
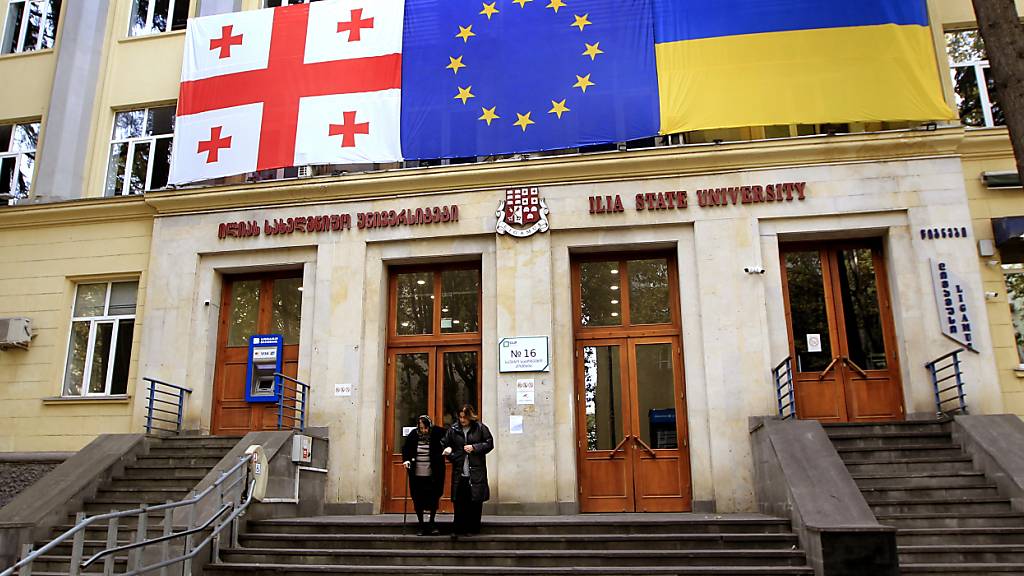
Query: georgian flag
{"x": 312, "y": 83}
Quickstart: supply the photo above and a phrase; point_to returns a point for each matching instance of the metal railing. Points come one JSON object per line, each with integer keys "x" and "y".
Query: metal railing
{"x": 948, "y": 382}
{"x": 785, "y": 394}
{"x": 292, "y": 400}
{"x": 233, "y": 492}
{"x": 165, "y": 401}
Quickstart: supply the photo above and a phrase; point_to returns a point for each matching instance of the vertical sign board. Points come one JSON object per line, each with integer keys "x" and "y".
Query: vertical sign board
{"x": 523, "y": 354}
{"x": 951, "y": 298}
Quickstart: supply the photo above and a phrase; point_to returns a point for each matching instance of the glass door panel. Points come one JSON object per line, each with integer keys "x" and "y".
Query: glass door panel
{"x": 655, "y": 390}
{"x": 808, "y": 311}
{"x": 858, "y": 288}
{"x": 460, "y": 382}
{"x": 602, "y": 390}
{"x": 412, "y": 379}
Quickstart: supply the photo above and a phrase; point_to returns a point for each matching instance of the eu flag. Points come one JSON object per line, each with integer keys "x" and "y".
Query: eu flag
{"x": 503, "y": 76}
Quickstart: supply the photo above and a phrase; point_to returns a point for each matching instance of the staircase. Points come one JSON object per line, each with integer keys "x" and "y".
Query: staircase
{"x": 950, "y": 519}
{"x": 172, "y": 467}
{"x": 625, "y": 544}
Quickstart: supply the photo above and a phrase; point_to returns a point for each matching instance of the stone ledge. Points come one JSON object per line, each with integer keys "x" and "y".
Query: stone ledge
{"x": 115, "y": 399}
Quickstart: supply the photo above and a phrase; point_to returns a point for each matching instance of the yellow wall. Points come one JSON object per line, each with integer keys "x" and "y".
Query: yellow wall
{"x": 46, "y": 249}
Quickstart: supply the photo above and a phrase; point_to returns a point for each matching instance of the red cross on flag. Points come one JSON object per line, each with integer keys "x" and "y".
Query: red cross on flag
{"x": 312, "y": 83}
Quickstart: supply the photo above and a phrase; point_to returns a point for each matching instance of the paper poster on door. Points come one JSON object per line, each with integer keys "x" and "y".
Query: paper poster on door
{"x": 814, "y": 342}
{"x": 515, "y": 424}
{"x": 524, "y": 391}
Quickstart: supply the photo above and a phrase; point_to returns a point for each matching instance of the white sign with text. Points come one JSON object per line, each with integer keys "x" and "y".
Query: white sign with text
{"x": 523, "y": 354}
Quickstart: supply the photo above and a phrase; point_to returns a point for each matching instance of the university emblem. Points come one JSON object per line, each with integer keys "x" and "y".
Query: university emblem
{"x": 522, "y": 213}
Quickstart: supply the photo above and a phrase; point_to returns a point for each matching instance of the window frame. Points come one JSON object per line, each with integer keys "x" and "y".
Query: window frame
{"x": 131, "y": 144}
{"x": 150, "y": 29}
{"x": 981, "y": 68}
{"x": 105, "y": 318}
{"x": 436, "y": 337}
{"x": 19, "y": 156}
{"x": 23, "y": 28}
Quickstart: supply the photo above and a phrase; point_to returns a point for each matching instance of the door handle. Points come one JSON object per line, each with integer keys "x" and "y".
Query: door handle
{"x": 645, "y": 446}
{"x": 856, "y": 368}
{"x": 619, "y": 446}
{"x": 829, "y": 368}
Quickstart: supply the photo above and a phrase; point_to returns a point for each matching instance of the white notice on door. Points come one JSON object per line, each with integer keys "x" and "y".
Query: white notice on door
{"x": 814, "y": 342}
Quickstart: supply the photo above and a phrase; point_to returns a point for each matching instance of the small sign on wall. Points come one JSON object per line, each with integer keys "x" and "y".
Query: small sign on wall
{"x": 524, "y": 391}
{"x": 523, "y": 354}
{"x": 814, "y": 342}
{"x": 954, "y": 311}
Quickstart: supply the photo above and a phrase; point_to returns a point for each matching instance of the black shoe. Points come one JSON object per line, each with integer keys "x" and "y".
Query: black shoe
{"x": 421, "y": 532}
{"x": 434, "y": 532}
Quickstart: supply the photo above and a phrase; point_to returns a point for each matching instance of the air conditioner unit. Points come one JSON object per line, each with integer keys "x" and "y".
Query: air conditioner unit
{"x": 305, "y": 171}
{"x": 15, "y": 333}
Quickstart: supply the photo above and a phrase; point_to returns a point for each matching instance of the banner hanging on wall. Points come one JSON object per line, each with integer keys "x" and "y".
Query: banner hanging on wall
{"x": 354, "y": 81}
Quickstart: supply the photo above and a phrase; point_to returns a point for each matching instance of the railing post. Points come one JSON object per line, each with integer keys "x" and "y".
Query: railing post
{"x": 26, "y": 570}
{"x": 181, "y": 409}
{"x": 165, "y": 546}
{"x": 141, "y": 532}
{"x": 959, "y": 382}
{"x": 76, "y": 547}
{"x": 149, "y": 411}
{"x": 186, "y": 568}
{"x": 108, "y": 562}
{"x": 279, "y": 388}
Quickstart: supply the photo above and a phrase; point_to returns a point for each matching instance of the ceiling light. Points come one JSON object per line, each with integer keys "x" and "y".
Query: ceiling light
{"x": 614, "y": 314}
{"x": 421, "y": 282}
{"x": 615, "y": 270}
{"x": 614, "y": 287}
{"x": 615, "y": 301}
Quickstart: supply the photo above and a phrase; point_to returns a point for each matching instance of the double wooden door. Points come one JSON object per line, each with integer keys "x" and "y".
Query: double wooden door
{"x": 842, "y": 340}
{"x": 633, "y": 453}
{"x": 262, "y": 304}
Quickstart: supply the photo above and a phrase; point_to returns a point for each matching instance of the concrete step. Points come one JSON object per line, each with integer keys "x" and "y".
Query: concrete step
{"x": 952, "y": 520}
{"x": 439, "y": 569}
{"x": 939, "y": 505}
{"x": 886, "y": 493}
{"x": 881, "y": 440}
{"x": 665, "y": 541}
{"x": 61, "y": 563}
{"x": 962, "y": 569}
{"x": 118, "y": 492}
{"x": 921, "y": 480}
{"x": 185, "y": 451}
{"x": 878, "y": 428}
{"x": 898, "y": 452}
{"x": 224, "y": 442}
{"x": 958, "y": 553}
{"x": 95, "y": 508}
{"x": 969, "y": 536}
{"x": 121, "y": 484}
{"x": 176, "y": 462}
{"x": 513, "y": 557}
{"x": 953, "y": 465}
{"x": 510, "y": 525}
{"x": 151, "y": 472}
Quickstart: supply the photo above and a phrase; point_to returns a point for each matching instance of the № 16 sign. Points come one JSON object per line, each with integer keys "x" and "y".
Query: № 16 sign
{"x": 523, "y": 354}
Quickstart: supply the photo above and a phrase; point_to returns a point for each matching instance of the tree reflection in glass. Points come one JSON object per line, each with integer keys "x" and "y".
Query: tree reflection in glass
{"x": 600, "y": 294}
{"x": 286, "y": 310}
{"x": 460, "y": 383}
{"x": 412, "y": 373}
{"x": 602, "y": 391}
{"x": 415, "y": 303}
{"x": 807, "y": 308}
{"x": 245, "y": 308}
{"x": 859, "y": 290}
{"x": 460, "y": 297}
{"x": 649, "y": 292}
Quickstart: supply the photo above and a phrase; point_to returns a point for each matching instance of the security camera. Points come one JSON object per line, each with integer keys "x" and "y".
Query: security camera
{"x": 206, "y": 302}
{"x": 754, "y": 270}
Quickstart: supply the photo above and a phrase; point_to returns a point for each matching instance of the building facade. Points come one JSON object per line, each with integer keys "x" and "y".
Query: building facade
{"x": 662, "y": 281}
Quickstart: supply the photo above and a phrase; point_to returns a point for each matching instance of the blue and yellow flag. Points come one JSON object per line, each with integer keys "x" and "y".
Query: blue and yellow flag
{"x": 504, "y": 76}
{"x": 728, "y": 63}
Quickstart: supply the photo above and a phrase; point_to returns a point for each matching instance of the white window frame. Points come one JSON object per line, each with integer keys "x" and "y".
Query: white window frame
{"x": 132, "y": 143}
{"x": 23, "y": 30}
{"x": 150, "y": 10}
{"x": 18, "y": 156}
{"x": 106, "y": 318}
{"x": 981, "y": 68}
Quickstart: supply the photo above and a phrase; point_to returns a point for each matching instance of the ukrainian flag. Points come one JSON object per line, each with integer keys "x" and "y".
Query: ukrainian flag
{"x": 729, "y": 63}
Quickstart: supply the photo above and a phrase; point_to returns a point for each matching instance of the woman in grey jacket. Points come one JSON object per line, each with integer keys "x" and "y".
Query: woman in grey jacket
{"x": 466, "y": 445}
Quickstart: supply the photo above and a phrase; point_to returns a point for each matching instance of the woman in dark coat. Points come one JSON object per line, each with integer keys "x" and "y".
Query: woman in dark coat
{"x": 421, "y": 455}
{"x": 466, "y": 445}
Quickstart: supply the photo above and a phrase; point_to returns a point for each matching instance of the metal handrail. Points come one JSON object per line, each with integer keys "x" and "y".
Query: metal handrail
{"x": 178, "y": 393}
{"x": 85, "y": 522}
{"x": 950, "y": 361}
{"x": 785, "y": 392}
{"x": 285, "y": 411}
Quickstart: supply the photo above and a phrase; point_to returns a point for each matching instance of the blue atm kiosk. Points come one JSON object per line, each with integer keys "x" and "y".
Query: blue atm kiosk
{"x": 265, "y": 355}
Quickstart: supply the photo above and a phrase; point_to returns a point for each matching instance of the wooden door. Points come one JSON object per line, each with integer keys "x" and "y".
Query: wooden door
{"x": 263, "y": 304}
{"x": 842, "y": 339}
{"x": 433, "y": 361}
{"x": 630, "y": 401}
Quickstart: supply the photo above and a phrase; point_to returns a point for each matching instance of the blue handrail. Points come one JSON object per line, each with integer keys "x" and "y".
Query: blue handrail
{"x": 948, "y": 383}
{"x": 785, "y": 394}
{"x": 292, "y": 401}
{"x": 167, "y": 394}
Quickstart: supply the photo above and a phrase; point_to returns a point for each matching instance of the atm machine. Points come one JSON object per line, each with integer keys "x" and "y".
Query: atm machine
{"x": 265, "y": 356}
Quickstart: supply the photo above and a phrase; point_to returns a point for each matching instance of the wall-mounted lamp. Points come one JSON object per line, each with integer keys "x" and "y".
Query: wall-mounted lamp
{"x": 991, "y": 295}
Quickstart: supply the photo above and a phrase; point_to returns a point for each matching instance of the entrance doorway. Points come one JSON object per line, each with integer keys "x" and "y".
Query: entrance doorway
{"x": 433, "y": 360}
{"x": 257, "y": 304}
{"x": 630, "y": 397}
{"x": 842, "y": 340}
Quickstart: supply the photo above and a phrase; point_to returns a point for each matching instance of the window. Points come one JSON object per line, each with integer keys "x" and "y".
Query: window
{"x": 212, "y": 7}
{"x": 976, "y": 99}
{"x": 1015, "y": 295}
{"x": 100, "y": 346}
{"x": 30, "y": 25}
{"x": 17, "y": 159}
{"x": 140, "y": 151}
{"x": 155, "y": 16}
